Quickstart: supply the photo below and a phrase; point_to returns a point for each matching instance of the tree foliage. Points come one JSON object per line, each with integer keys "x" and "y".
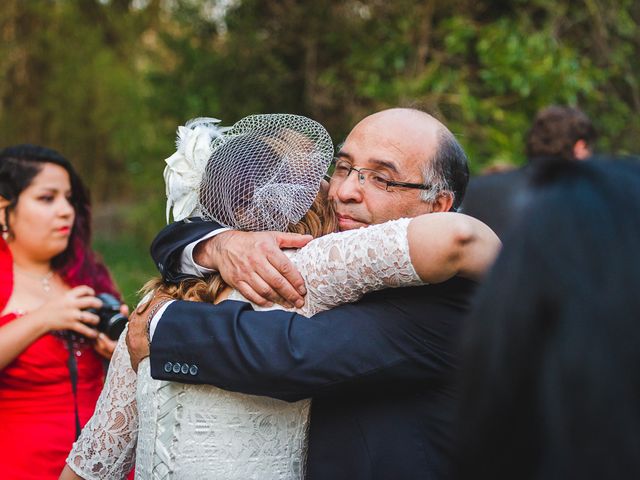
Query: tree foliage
{"x": 108, "y": 81}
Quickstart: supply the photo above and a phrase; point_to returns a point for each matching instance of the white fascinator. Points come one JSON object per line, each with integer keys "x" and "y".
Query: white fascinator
{"x": 261, "y": 174}
{"x": 185, "y": 168}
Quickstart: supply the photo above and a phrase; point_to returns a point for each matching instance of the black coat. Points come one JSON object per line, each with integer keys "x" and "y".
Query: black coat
{"x": 498, "y": 198}
{"x": 380, "y": 371}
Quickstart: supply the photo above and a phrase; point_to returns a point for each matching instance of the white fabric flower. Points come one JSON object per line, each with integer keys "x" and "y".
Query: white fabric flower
{"x": 185, "y": 168}
{"x": 261, "y": 174}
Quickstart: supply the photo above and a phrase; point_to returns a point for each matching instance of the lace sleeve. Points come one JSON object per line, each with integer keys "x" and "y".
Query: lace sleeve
{"x": 342, "y": 267}
{"x": 106, "y": 446}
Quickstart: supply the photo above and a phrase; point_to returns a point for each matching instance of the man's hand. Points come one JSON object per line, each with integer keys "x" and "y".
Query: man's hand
{"x": 137, "y": 335}
{"x": 253, "y": 264}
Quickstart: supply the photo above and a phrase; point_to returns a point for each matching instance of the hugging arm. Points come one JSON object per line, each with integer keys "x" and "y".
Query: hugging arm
{"x": 167, "y": 247}
{"x": 250, "y": 262}
{"x": 340, "y": 268}
{"x": 106, "y": 446}
{"x": 285, "y": 355}
{"x": 442, "y": 245}
{"x": 386, "y": 337}
{"x": 446, "y": 244}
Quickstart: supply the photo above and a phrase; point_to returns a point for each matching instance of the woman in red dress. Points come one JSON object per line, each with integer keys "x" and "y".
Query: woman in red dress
{"x": 48, "y": 278}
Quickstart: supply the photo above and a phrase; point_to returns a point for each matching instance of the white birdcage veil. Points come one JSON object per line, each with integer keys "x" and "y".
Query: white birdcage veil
{"x": 261, "y": 174}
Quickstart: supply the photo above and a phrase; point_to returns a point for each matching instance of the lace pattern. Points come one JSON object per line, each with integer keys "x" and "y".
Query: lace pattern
{"x": 193, "y": 431}
{"x": 106, "y": 446}
{"x": 340, "y": 268}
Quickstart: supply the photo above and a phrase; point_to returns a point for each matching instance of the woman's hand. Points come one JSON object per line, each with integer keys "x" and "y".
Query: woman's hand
{"x": 68, "y": 312}
{"x": 65, "y": 312}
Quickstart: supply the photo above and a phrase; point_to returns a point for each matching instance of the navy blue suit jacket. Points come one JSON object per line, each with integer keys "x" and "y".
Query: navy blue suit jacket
{"x": 380, "y": 371}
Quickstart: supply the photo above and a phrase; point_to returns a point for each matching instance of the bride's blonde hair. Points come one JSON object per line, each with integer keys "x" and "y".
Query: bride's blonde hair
{"x": 319, "y": 220}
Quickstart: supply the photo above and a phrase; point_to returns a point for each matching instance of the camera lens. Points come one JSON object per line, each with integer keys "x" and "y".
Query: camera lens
{"x": 112, "y": 322}
{"x": 114, "y": 326}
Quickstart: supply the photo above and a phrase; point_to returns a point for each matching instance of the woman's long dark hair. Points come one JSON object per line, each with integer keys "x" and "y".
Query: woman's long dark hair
{"x": 550, "y": 382}
{"x": 77, "y": 264}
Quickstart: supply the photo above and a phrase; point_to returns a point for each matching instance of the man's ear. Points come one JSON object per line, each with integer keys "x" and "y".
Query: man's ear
{"x": 443, "y": 202}
{"x": 581, "y": 150}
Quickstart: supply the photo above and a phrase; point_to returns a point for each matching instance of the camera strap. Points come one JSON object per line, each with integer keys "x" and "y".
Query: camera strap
{"x": 72, "y": 365}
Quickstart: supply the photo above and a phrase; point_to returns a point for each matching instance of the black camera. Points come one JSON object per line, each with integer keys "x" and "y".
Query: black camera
{"x": 112, "y": 322}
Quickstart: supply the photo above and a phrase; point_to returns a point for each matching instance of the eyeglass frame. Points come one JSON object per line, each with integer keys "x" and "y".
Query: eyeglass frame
{"x": 362, "y": 180}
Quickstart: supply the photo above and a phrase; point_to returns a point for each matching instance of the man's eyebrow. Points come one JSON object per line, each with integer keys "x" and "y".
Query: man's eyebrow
{"x": 385, "y": 164}
{"x": 379, "y": 162}
{"x": 343, "y": 154}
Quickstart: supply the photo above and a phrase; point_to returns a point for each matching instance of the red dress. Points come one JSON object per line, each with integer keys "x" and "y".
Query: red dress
{"x": 37, "y": 416}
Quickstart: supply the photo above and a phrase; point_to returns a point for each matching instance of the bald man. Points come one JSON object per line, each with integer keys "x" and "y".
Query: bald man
{"x": 380, "y": 371}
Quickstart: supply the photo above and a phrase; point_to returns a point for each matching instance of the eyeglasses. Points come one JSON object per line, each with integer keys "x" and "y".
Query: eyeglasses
{"x": 367, "y": 176}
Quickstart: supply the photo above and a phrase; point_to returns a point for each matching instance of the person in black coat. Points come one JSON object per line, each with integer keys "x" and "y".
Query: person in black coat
{"x": 380, "y": 371}
{"x": 549, "y": 388}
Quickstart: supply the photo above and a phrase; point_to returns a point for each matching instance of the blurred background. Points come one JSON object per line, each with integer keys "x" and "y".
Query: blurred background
{"x": 107, "y": 82}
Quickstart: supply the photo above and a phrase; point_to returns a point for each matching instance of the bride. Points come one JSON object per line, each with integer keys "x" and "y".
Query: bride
{"x": 265, "y": 173}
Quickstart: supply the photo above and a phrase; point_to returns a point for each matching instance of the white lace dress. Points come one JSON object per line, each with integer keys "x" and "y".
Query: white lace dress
{"x": 179, "y": 431}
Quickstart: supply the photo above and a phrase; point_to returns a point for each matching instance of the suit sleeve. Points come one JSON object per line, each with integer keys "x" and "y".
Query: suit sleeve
{"x": 172, "y": 239}
{"x": 379, "y": 341}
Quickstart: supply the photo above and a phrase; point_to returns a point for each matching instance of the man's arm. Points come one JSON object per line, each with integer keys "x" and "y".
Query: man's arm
{"x": 250, "y": 262}
{"x": 386, "y": 338}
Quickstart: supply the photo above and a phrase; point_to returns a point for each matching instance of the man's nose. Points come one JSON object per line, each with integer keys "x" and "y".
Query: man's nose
{"x": 349, "y": 189}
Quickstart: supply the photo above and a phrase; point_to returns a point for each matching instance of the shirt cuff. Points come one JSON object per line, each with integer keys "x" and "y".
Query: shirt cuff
{"x": 188, "y": 265}
{"x": 156, "y": 318}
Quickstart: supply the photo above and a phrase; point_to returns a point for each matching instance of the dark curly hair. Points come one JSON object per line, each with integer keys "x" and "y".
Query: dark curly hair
{"x": 555, "y": 131}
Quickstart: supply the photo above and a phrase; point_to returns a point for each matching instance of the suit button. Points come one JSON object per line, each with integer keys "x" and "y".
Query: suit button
{"x": 168, "y": 366}
{"x": 176, "y": 367}
{"x": 185, "y": 368}
{"x": 193, "y": 370}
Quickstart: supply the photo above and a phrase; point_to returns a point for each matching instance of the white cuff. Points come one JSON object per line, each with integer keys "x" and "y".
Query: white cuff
{"x": 187, "y": 263}
{"x": 156, "y": 318}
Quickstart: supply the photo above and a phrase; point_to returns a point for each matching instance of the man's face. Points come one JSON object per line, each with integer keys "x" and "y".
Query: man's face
{"x": 394, "y": 144}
